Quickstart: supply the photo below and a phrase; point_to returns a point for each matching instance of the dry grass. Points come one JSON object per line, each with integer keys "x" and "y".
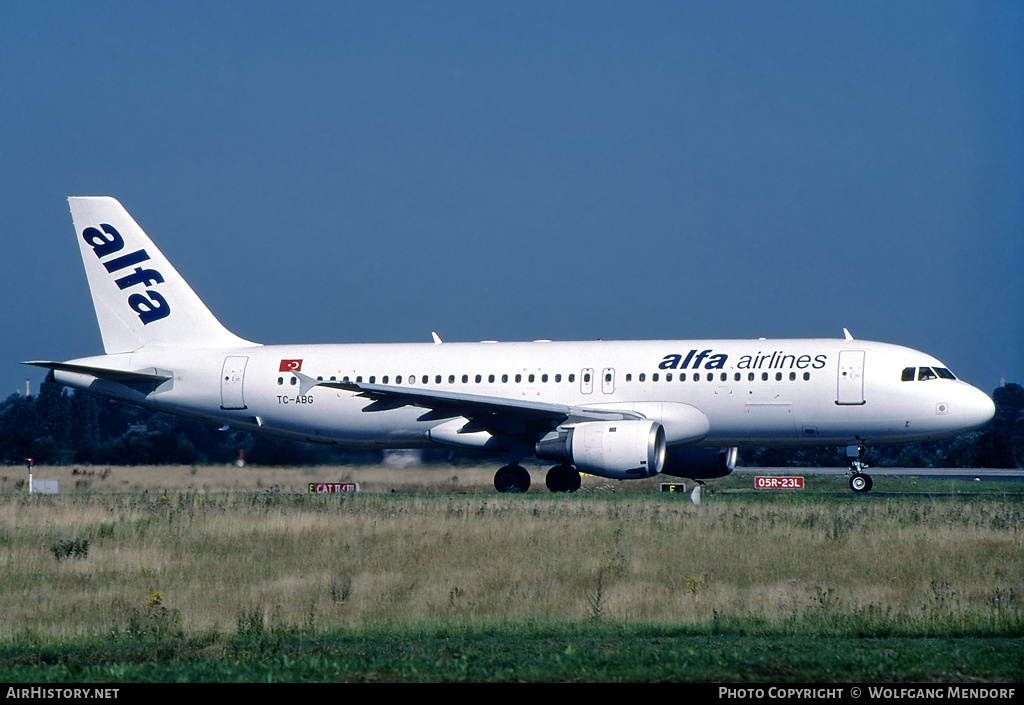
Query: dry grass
{"x": 221, "y": 561}
{"x": 215, "y": 478}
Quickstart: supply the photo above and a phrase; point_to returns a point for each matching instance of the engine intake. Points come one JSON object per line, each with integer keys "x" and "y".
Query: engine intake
{"x": 619, "y": 450}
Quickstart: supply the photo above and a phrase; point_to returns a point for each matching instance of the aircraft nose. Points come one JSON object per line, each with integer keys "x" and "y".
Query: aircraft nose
{"x": 978, "y": 408}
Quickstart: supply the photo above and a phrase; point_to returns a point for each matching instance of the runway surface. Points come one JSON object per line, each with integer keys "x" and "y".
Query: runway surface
{"x": 954, "y": 473}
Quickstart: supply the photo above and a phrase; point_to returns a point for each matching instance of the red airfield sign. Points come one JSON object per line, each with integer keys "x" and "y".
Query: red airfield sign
{"x": 778, "y": 483}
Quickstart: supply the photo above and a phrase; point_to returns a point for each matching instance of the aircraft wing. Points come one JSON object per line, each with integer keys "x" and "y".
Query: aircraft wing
{"x": 447, "y": 404}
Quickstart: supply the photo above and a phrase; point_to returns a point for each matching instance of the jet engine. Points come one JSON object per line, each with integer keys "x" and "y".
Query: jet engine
{"x": 699, "y": 463}
{"x": 619, "y": 450}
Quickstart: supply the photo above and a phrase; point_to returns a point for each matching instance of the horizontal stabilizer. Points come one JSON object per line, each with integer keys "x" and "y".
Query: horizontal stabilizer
{"x": 119, "y": 376}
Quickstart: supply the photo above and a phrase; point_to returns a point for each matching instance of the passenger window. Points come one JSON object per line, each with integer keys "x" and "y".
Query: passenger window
{"x": 807, "y": 376}
{"x": 478, "y": 378}
{"x": 629, "y": 377}
{"x": 373, "y": 379}
{"x": 437, "y": 379}
{"x": 668, "y": 376}
{"x": 682, "y": 376}
{"x": 654, "y": 377}
{"x": 451, "y": 379}
{"x": 384, "y": 380}
{"x": 642, "y": 377}
{"x": 725, "y": 376}
{"x": 792, "y": 376}
{"x": 519, "y": 378}
{"x": 750, "y": 376}
{"x": 425, "y": 379}
{"x": 465, "y": 379}
{"x": 572, "y": 377}
{"x": 490, "y": 378}
{"x": 544, "y": 378}
{"x": 504, "y": 378}
{"x": 280, "y": 381}
{"x": 558, "y": 378}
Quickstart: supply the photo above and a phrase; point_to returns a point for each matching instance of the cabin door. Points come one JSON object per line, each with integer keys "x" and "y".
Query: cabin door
{"x": 231, "y": 379}
{"x": 851, "y": 377}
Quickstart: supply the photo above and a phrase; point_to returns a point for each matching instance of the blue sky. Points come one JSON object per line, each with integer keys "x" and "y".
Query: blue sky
{"x": 373, "y": 171}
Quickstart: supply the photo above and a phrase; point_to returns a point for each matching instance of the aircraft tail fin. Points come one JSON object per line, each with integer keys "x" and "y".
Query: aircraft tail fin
{"x": 140, "y": 299}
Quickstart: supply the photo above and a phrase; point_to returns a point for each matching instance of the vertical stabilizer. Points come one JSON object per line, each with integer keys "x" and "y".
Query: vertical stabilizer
{"x": 140, "y": 298}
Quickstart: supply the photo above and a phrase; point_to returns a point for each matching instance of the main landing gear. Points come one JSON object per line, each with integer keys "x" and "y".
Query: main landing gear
{"x": 859, "y": 480}
{"x": 514, "y": 478}
{"x": 563, "y": 478}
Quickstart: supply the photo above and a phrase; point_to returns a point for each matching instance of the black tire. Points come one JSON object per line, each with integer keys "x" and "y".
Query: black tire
{"x": 859, "y": 482}
{"x": 512, "y": 478}
{"x": 563, "y": 478}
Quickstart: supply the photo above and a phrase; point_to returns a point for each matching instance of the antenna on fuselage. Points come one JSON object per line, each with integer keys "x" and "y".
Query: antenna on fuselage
{"x": 847, "y": 335}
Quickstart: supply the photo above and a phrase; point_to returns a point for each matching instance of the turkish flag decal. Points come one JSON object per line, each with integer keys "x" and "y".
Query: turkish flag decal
{"x": 291, "y": 366}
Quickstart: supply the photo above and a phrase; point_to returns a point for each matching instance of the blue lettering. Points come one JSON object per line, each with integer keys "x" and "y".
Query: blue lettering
{"x": 152, "y": 309}
{"x": 105, "y": 241}
{"x": 670, "y": 362}
{"x": 126, "y": 261}
{"x": 146, "y": 277}
{"x": 102, "y": 245}
{"x": 717, "y": 361}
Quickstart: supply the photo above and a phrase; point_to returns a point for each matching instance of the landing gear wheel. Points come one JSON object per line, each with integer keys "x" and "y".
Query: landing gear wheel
{"x": 859, "y": 482}
{"x": 563, "y": 478}
{"x": 512, "y": 478}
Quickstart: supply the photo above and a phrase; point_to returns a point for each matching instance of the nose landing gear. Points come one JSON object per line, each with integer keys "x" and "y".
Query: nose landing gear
{"x": 859, "y": 480}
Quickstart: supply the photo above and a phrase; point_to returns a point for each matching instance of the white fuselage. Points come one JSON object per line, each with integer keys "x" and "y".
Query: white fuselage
{"x": 753, "y": 392}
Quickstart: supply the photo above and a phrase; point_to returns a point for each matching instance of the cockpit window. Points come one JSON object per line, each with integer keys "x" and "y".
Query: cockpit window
{"x": 923, "y": 374}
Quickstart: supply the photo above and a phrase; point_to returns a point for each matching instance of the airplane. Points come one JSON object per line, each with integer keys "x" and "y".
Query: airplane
{"x": 614, "y": 409}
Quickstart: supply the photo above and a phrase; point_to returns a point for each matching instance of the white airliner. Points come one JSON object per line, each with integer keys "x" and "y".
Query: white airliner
{"x": 619, "y": 410}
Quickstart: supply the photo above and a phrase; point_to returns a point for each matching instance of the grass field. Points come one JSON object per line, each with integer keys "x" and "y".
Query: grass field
{"x": 224, "y": 573}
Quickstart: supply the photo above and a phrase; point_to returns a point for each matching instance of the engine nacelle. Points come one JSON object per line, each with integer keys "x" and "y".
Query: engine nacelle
{"x": 699, "y": 463}
{"x": 620, "y": 450}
